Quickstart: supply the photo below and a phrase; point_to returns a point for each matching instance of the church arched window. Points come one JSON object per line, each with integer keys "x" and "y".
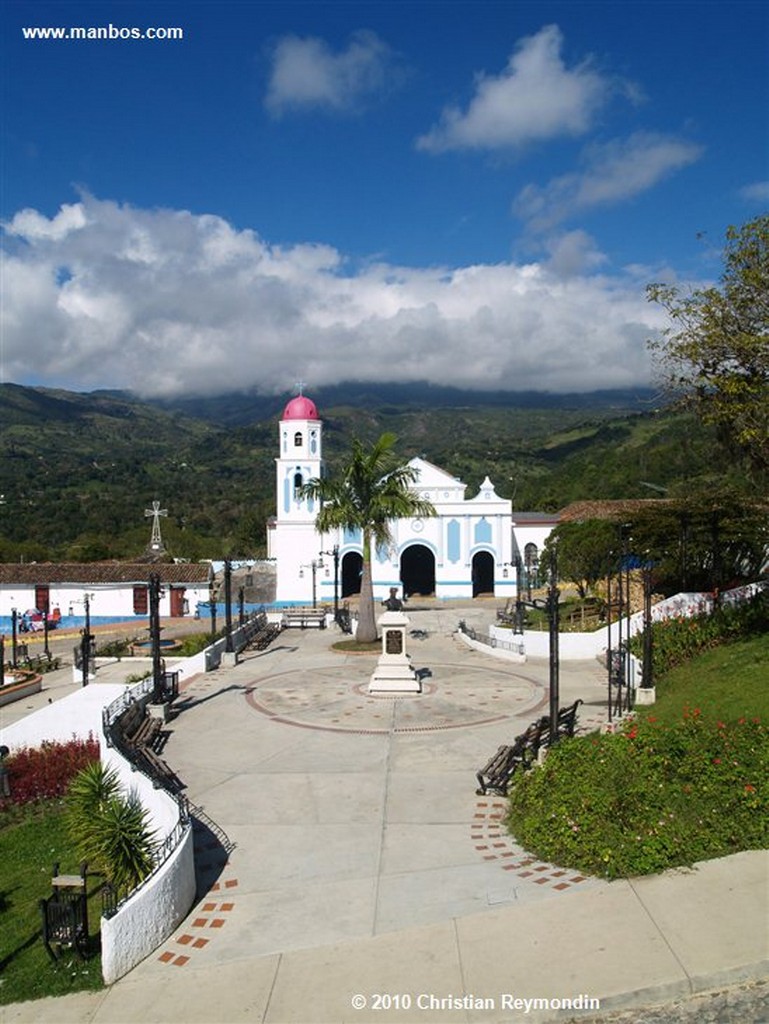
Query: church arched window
{"x": 297, "y": 483}
{"x": 298, "y": 439}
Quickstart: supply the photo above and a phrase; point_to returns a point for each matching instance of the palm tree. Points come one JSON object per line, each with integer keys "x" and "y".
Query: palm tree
{"x": 371, "y": 491}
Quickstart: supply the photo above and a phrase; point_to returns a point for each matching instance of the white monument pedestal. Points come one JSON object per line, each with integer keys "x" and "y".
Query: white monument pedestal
{"x": 394, "y": 673}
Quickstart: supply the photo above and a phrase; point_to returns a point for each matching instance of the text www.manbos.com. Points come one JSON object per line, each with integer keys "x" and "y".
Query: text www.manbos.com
{"x": 79, "y": 32}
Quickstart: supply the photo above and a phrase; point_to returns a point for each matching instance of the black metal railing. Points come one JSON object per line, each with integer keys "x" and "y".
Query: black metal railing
{"x": 489, "y": 641}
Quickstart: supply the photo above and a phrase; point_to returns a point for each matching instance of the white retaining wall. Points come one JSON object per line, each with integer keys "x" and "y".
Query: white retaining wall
{"x": 153, "y": 913}
{"x": 581, "y": 646}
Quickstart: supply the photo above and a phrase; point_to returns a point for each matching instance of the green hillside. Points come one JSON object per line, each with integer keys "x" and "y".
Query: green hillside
{"x": 77, "y": 470}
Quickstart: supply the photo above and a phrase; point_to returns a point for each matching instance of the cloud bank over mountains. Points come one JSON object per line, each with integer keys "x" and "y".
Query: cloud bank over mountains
{"x": 165, "y": 302}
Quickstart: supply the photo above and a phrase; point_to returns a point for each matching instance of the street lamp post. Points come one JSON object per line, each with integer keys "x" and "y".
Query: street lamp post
{"x": 314, "y": 565}
{"x": 212, "y": 609}
{"x": 647, "y": 675}
{"x": 334, "y": 552}
{"x": 86, "y": 641}
{"x": 157, "y": 664}
{"x": 551, "y": 606}
{"x": 553, "y": 595}
{"x": 228, "y": 605}
{"x": 14, "y": 638}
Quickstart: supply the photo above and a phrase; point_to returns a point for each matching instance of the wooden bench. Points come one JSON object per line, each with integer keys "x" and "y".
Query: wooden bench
{"x": 507, "y": 614}
{"x": 567, "y": 719}
{"x": 162, "y": 775}
{"x": 304, "y": 618}
{"x": 524, "y": 751}
{"x": 139, "y": 728}
{"x": 261, "y": 638}
{"x": 65, "y": 914}
{"x": 521, "y": 754}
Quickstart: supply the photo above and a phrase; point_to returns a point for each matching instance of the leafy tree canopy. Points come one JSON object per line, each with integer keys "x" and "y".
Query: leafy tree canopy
{"x": 715, "y": 355}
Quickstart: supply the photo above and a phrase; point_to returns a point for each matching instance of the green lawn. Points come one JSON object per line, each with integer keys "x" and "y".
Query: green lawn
{"x": 726, "y": 683}
{"x": 29, "y": 849}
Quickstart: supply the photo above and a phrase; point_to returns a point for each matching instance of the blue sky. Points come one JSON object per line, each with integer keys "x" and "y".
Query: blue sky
{"x": 467, "y": 193}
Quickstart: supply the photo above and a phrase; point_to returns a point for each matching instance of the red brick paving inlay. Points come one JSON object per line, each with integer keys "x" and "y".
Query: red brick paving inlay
{"x": 485, "y": 833}
{"x": 190, "y": 941}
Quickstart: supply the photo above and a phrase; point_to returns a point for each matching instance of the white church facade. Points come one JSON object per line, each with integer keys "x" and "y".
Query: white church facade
{"x": 468, "y": 549}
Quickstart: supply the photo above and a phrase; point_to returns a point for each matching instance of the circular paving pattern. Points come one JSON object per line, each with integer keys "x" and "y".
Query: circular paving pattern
{"x": 452, "y": 697}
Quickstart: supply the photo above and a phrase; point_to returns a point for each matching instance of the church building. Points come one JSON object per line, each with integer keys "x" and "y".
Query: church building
{"x": 468, "y": 549}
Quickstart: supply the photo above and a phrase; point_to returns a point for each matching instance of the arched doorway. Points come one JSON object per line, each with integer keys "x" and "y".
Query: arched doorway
{"x": 483, "y": 573}
{"x": 418, "y": 571}
{"x": 352, "y": 570}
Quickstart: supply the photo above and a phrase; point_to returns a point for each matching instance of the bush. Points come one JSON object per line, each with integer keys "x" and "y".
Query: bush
{"x": 197, "y": 642}
{"x": 648, "y": 798}
{"x": 676, "y": 641}
{"x": 45, "y": 772}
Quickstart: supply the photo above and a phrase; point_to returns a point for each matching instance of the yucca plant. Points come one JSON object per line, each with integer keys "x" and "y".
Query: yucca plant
{"x": 125, "y": 841}
{"x": 88, "y": 795}
{"x": 108, "y": 829}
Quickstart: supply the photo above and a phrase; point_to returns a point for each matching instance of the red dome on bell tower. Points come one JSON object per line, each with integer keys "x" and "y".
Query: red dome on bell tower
{"x": 301, "y": 408}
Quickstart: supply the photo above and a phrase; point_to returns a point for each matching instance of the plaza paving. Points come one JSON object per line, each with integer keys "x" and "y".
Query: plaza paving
{"x": 342, "y": 852}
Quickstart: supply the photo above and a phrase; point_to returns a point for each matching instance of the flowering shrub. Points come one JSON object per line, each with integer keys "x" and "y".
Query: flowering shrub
{"x": 45, "y": 772}
{"x": 647, "y": 798}
{"x": 676, "y": 641}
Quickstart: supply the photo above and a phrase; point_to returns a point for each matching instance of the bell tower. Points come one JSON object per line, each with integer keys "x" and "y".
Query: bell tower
{"x": 292, "y": 540}
{"x": 301, "y": 445}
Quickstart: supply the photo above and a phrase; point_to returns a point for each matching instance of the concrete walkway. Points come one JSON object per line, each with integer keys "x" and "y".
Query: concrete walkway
{"x": 348, "y": 872}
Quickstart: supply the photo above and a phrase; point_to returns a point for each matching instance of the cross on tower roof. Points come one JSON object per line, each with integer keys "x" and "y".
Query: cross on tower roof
{"x": 301, "y": 385}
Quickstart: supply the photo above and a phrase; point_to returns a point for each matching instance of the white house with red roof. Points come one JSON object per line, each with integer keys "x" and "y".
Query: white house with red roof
{"x": 466, "y": 550}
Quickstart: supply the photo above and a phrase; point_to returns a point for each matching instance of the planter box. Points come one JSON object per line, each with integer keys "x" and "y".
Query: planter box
{"x": 23, "y": 688}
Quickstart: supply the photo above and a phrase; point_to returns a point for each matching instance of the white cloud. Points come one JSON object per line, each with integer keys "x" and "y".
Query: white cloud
{"x": 166, "y": 302}
{"x": 573, "y": 253}
{"x": 534, "y": 99}
{"x": 307, "y": 74}
{"x": 757, "y": 192}
{"x": 35, "y": 226}
{"x": 611, "y": 173}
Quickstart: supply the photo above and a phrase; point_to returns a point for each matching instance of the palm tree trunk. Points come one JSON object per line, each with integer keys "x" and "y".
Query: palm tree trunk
{"x": 366, "y": 632}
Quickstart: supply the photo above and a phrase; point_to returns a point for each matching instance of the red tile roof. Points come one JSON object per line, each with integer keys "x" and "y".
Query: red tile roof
{"x": 17, "y": 573}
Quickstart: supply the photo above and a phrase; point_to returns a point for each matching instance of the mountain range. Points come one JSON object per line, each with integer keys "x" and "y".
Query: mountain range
{"x": 78, "y": 470}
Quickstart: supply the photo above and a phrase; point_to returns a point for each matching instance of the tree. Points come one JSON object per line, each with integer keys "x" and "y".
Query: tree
{"x": 715, "y": 356}
{"x": 372, "y": 489}
{"x": 584, "y": 551}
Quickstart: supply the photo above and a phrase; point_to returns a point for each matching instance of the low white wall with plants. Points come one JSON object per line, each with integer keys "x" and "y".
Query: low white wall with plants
{"x": 151, "y": 914}
{"x": 581, "y": 646}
